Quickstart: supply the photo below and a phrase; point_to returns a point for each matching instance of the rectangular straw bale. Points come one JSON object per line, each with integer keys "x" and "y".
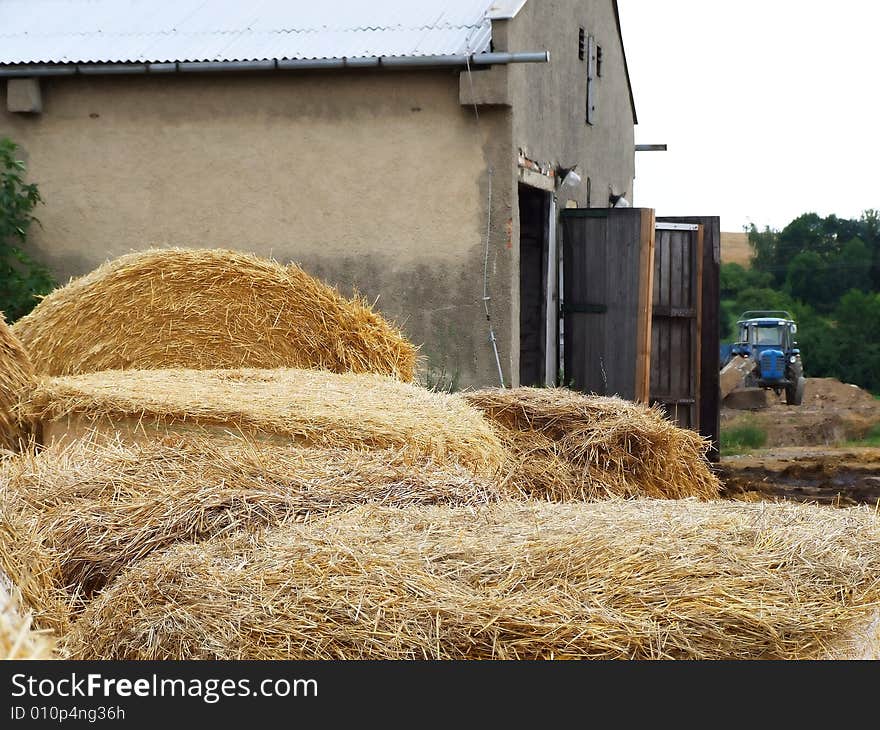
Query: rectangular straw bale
{"x": 565, "y": 445}
{"x": 307, "y": 407}
{"x": 619, "y": 579}
{"x": 102, "y": 507}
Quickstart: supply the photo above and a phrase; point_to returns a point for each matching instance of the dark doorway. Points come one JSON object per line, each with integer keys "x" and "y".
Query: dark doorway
{"x": 534, "y": 220}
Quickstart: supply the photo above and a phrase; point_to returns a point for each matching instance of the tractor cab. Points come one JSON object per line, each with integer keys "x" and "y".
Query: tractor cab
{"x": 760, "y": 334}
{"x": 767, "y": 338}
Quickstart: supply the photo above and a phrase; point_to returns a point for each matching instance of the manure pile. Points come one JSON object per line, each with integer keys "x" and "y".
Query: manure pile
{"x": 638, "y": 579}
{"x": 16, "y": 380}
{"x": 568, "y": 446}
{"x": 206, "y": 309}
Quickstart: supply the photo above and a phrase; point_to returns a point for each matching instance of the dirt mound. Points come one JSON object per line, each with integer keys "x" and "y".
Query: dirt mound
{"x": 831, "y": 412}
{"x": 831, "y": 393}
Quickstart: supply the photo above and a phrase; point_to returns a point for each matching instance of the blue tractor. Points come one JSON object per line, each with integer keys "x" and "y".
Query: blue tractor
{"x": 767, "y": 338}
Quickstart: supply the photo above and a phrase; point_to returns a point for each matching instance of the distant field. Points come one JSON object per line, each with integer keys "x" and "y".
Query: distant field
{"x": 735, "y": 248}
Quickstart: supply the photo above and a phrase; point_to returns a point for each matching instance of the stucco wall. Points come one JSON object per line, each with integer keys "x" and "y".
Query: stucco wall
{"x": 549, "y": 108}
{"x": 550, "y": 99}
{"x": 373, "y": 180}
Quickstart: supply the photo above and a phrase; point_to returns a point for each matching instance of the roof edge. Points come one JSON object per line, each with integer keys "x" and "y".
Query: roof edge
{"x": 632, "y": 100}
{"x": 70, "y": 69}
{"x": 504, "y": 9}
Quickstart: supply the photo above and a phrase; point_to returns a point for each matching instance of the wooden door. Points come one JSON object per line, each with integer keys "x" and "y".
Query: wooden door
{"x": 676, "y": 326}
{"x": 710, "y": 325}
{"x": 607, "y": 268}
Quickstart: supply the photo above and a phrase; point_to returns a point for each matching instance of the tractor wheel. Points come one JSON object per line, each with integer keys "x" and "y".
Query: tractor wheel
{"x": 794, "y": 394}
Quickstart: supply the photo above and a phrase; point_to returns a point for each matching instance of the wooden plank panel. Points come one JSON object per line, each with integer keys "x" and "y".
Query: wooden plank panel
{"x": 645, "y": 289}
{"x": 676, "y": 268}
{"x": 709, "y": 328}
{"x": 622, "y": 269}
{"x": 674, "y": 376}
{"x": 608, "y": 261}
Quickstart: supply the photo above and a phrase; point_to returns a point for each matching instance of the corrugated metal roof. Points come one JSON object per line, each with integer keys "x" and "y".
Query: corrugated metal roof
{"x": 123, "y": 31}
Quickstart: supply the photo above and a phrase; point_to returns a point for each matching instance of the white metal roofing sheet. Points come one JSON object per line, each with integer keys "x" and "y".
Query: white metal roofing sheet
{"x": 121, "y": 31}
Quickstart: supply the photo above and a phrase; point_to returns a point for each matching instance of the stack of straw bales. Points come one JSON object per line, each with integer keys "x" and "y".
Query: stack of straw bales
{"x": 631, "y": 579}
{"x": 569, "y": 446}
{"x": 102, "y": 507}
{"x": 206, "y": 309}
{"x": 16, "y": 380}
{"x": 308, "y": 407}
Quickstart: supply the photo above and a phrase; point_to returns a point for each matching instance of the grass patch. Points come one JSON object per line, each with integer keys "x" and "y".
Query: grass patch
{"x": 872, "y": 438}
{"x": 742, "y": 439}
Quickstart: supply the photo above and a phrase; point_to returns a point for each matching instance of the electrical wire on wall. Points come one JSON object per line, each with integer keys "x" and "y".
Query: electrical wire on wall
{"x": 486, "y": 297}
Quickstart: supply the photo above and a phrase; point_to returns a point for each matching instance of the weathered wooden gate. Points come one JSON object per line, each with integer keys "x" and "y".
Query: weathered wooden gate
{"x": 710, "y": 315}
{"x": 676, "y": 331}
{"x": 640, "y": 310}
{"x": 606, "y": 300}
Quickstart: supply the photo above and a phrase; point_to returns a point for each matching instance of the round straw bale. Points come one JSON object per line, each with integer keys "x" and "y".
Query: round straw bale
{"x": 16, "y": 380}
{"x": 102, "y": 507}
{"x": 569, "y": 446}
{"x": 204, "y": 309}
{"x": 308, "y": 407}
{"x": 616, "y": 579}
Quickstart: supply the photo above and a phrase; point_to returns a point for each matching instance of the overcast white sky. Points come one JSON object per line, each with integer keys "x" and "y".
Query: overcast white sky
{"x": 770, "y": 109}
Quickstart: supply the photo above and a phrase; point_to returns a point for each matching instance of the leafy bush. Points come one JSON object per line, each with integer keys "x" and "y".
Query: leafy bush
{"x": 22, "y": 280}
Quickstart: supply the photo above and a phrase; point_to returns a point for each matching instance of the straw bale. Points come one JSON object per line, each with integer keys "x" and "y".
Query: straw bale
{"x": 569, "y": 446}
{"x": 102, "y": 507}
{"x": 31, "y": 570}
{"x": 861, "y": 645}
{"x": 616, "y": 579}
{"x": 17, "y": 639}
{"x": 205, "y": 309}
{"x": 308, "y": 407}
{"x": 16, "y": 380}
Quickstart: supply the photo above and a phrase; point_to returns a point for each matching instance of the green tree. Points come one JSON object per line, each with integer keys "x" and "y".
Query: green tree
{"x": 817, "y": 338}
{"x": 763, "y": 244}
{"x": 852, "y": 267}
{"x": 22, "y": 280}
{"x": 869, "y": 232}
{"x": 858, "y": 327}
{"x": 807, "y": 280}
{"x": 807, "y": 232}
{"x": 763, "y": 298}
{"x": 735, "y": 278}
